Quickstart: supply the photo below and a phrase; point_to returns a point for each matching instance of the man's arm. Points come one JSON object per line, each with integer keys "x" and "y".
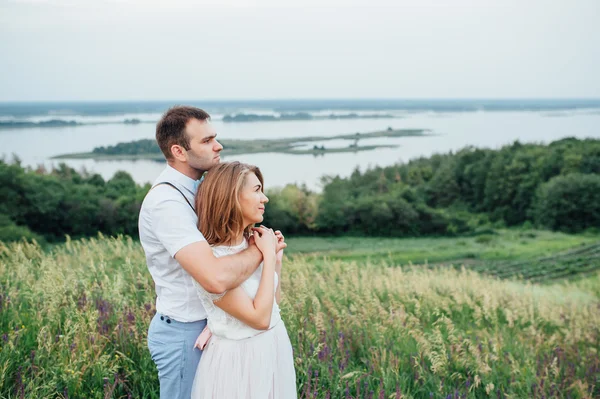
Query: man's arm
{"x": 217, "y": 275}
{"x": 172, "y": 221}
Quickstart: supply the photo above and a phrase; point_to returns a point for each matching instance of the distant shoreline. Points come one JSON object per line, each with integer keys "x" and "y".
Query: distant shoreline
{"x": 68, "y": 109}
{"x": 63, "y": 123}
{"x": 284, "y": 117}
{"x": 301, "y": 116}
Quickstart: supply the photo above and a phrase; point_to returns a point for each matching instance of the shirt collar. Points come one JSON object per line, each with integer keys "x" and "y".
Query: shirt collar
{"x": 173, "y": 175}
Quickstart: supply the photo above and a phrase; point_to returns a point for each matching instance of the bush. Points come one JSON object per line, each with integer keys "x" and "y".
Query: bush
{"x": 9, "y": 231}
{"x": 292, "y": 210}
{"x": 484, "y": 239}
{"x": 569, "y": 203}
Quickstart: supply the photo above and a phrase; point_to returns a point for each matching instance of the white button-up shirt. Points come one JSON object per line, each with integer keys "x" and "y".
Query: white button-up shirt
{"x": 167, "y": 223}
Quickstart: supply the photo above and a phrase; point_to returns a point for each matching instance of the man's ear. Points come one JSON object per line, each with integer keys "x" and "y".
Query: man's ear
{"x": 178, "y": 152}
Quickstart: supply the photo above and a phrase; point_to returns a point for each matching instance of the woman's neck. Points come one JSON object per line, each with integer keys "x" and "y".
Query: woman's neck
{"x": 238, "y": 239}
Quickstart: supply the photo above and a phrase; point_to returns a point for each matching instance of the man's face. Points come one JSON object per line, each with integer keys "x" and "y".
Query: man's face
{"x": 204, "y": 148}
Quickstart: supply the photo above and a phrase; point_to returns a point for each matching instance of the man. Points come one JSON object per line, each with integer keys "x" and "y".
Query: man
{"x": 176, "y": 251}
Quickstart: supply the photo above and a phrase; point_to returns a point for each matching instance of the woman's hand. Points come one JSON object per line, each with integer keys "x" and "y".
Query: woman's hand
{"x": 265, "y": 240}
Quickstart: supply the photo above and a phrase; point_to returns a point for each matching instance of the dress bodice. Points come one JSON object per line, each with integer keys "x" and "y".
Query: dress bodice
{"x": 221, "y": 323}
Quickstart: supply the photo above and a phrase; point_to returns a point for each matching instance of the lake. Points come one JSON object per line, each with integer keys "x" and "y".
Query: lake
{"x": 450, "y": 131}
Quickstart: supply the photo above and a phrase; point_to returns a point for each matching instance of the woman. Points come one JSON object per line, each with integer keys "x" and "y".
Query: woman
{"x": 249, "y": 354}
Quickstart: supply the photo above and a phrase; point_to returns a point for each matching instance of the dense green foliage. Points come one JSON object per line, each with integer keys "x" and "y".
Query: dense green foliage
{"x": 64, "y": 202}
{"x": 454, "y": 193}
{"x": 570, "y": 202}
{"x": 556, "y": 186}
{"x": 144, "y": 146}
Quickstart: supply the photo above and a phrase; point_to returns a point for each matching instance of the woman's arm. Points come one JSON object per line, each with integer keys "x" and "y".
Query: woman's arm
{"x": 278, "y": 264}
{"x": 255, "y": 313}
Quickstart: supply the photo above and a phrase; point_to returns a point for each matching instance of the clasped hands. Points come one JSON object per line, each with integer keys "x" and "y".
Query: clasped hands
{"x": 269, "y": 239}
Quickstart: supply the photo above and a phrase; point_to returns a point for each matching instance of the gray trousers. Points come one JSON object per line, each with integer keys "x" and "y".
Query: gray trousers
{"x": 171, "y": 345}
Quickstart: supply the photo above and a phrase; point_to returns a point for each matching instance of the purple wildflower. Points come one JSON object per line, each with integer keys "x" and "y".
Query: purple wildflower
{"x": 130, "y": 317}
{"x": 82, "y": 301}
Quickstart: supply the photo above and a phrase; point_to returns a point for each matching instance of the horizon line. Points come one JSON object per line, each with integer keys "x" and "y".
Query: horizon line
{"x": 310, "y": 99}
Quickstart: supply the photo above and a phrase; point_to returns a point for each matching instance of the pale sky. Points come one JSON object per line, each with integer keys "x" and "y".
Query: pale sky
{"x": 72, "y": 50}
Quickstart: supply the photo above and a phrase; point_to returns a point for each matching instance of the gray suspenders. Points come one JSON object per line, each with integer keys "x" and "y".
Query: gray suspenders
{"x": 172, "y": 185}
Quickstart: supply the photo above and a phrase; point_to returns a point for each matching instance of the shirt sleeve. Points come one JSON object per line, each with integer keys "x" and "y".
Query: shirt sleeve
{"x": 174, "y": 224}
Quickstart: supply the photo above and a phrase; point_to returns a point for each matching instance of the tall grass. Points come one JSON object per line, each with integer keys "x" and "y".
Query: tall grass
{"x": 73, "y": 325}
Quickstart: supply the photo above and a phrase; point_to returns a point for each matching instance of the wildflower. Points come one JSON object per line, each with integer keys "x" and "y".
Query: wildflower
{"x": 82, "y": 301}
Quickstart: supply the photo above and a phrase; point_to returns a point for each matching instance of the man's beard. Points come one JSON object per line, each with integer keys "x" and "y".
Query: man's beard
{"x": 198, "y": 163}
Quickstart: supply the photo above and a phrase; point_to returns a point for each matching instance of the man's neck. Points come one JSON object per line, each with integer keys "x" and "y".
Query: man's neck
{"x": 185, "y": 169}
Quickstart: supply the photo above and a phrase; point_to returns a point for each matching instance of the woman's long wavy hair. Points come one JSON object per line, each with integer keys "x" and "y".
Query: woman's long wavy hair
{"x": 218, "y": 202}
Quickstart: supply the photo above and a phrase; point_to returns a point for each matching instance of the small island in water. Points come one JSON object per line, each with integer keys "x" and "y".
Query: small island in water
{"x": 48, "y": 123}
{"x": 148, "y": 149}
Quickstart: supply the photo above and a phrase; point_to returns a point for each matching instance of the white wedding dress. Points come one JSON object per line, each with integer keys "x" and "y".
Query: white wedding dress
{"x": 239, "y": 361}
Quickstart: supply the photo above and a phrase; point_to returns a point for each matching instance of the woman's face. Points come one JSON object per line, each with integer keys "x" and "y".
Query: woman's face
{"x": 252, "y": 200}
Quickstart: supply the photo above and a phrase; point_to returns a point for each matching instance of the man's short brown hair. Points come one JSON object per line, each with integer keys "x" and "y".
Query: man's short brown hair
{"x": 170, "y": 130}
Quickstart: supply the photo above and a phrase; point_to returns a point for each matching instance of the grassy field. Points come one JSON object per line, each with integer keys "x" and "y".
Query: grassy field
{"x": 363, "y": 322}
{"x": 532, "y": 254}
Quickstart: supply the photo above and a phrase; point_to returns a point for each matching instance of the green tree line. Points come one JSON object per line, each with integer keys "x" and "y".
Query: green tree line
{"x": 144, "y": 146}
{"x": 554, "y": 186}
{"x": 48, "y": 206}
